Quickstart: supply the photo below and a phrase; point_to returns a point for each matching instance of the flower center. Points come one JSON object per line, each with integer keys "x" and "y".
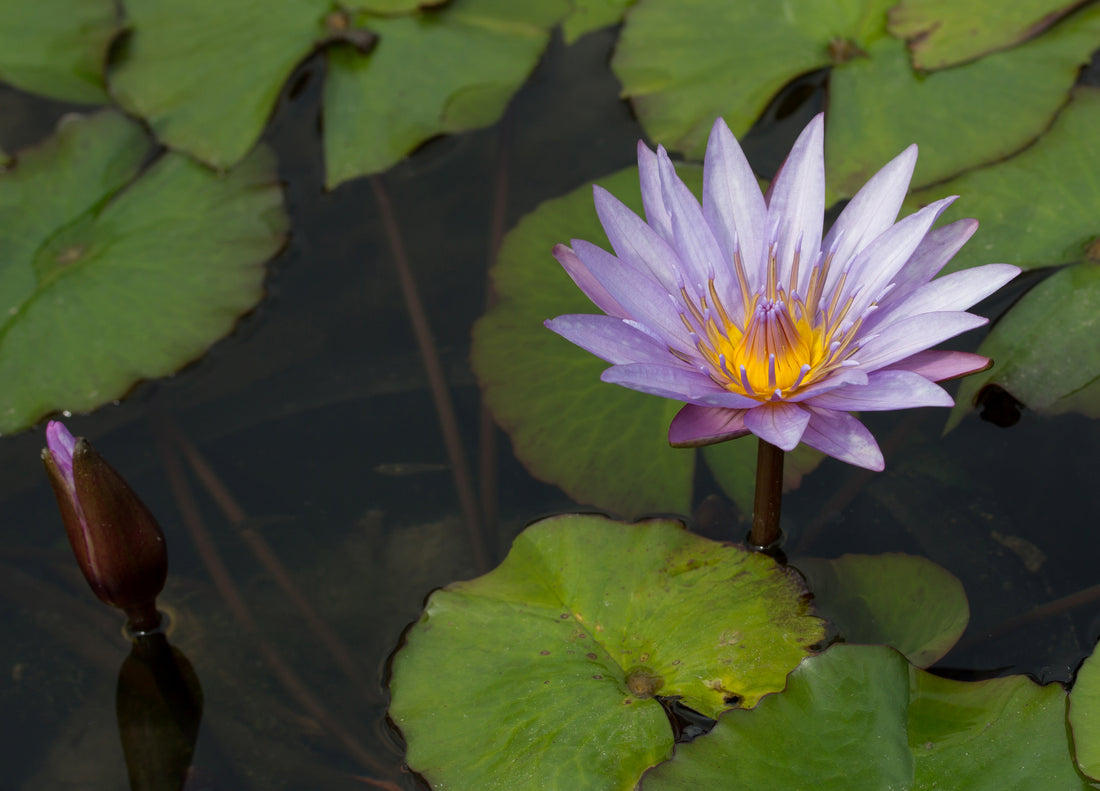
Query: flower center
{"x": 781, "y": 343}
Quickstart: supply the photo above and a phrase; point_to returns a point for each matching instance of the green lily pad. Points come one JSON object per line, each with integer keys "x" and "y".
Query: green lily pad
{"x": 1084, "y": 716}
{"x": 589, "y": 15}
{"x": 206, "y": 74}
{"x": 110, "y": 274}
{"x": 963, "y": 117}
{"x": 392, "y": 7}
{"x": 542, "y": 673}
{"x": 906, "y": 602}
{"x": 839, "y": 724}
{"x": 945, "y": 33}
{"x": 684, "y": 62}
{"x": 860, "y": 717}
{"x": 58, "y": 47}
{"x": 1045, "y": 349}
{"x": 1040, "y": 208}
{"x": 428, "y": 75}
{"x": 976, "y": 735}
{"x": 604, "y": 445}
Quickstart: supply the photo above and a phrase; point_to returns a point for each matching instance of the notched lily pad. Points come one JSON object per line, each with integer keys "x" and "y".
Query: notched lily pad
{"x": 543, "y": 673}
{"x": 206, "y": 74}
{"x": 904, "y": 601}
{"x": 839, "y": 724}
{"x": 944, "y": 33}
{"x": 58, "y": 47}
{"x": 110, "y": 274}
{"x": 1040, "y": 208}
{"x": 1045, "y": 349}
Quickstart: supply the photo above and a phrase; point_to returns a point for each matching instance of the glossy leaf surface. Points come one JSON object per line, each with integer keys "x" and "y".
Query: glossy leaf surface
{"x": 110, "y": 274}
{"x": 541, "y": 674}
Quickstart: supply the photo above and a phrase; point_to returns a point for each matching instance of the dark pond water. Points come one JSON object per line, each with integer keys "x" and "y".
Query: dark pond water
{"x": 317, "y": 419}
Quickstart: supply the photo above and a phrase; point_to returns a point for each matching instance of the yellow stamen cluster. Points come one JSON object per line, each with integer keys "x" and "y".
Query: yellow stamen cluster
{"x": 778, "y": 342}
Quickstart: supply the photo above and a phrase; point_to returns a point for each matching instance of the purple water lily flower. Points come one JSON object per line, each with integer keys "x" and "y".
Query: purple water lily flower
{"x": 741, "y": 309}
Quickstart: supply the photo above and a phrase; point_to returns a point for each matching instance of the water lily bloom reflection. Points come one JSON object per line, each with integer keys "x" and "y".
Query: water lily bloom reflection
{"x": 741, "y": 309}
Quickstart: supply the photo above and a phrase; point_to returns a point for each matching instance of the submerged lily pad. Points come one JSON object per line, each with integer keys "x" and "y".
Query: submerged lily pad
{"x": 543, "y": 673}
{"x": 906, "y": 602}
{"x": 1084, "y": 715}
{"x": 945, "y": 33}
{"x": 110, "y": 274}
{"x": 861, "y": 717}
{"x": 206, "y": 74}
{"x": 684, "y": 62}
{"x": 1045, "y": 349}
{"x": 58, "y": 47}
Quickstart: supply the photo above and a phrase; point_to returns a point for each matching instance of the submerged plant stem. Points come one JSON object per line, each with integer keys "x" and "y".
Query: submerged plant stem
{"x": 769, "y": 495}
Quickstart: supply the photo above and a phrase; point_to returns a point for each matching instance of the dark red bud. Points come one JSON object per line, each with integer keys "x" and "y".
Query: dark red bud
{"x": 118, "y": 543}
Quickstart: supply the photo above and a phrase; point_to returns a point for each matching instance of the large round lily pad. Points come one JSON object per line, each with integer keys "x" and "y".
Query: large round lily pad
{"x": 944, "y": 33}
{"x": 542, "y": 673}
{"x": 859, "y": 717}
{"x": 604, "y": 445}
{"x": 110, "y": 274}
{"x": 1084, "y": 715}
{"x": 904, "y": 601}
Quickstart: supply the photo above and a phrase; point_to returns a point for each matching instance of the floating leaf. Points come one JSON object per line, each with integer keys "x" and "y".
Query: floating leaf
{"x": 945, "y": 33}
{"x": 906, "y": 602}
{"x": 109, "y": 276}
{"x": 963, "y": 117}
{"x": 205, "y": 74}
{"x": 839, "y": 724}
{"x": 973, "y": 735}
{"x": 861, "y": 717}
{"x": 542, "y": 673}
{"x": 1045, "y": 349}
{"x": 684, "y": 62}
{"x": 1084, "y": 715}
{"x": 428, "y": 75}
{"x": 1040, "y": 208}
{"x": 589, "y": 15}
{"x": 58, "y": 47}
{"x": 603, "y": 444}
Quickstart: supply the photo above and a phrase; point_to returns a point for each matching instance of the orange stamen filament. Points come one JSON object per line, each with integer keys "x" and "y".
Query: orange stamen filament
{"x": 776, "y": 344}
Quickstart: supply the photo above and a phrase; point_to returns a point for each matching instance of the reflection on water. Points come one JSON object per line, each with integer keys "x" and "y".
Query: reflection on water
{"x": 317, "y": 421}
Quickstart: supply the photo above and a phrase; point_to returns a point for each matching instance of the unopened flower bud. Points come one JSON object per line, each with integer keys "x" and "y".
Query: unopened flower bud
{"x": 116, "y": 540}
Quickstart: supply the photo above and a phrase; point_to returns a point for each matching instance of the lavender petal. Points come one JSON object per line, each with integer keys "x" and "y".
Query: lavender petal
{"x": 841, "y": 436}
{"x": 885, "y": 390}
{"x": 695, "y": 426}
{"x": 778, "y": 422}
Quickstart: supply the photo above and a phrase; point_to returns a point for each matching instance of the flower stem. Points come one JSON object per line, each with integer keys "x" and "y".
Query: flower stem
{"x": 769, "y": 495}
